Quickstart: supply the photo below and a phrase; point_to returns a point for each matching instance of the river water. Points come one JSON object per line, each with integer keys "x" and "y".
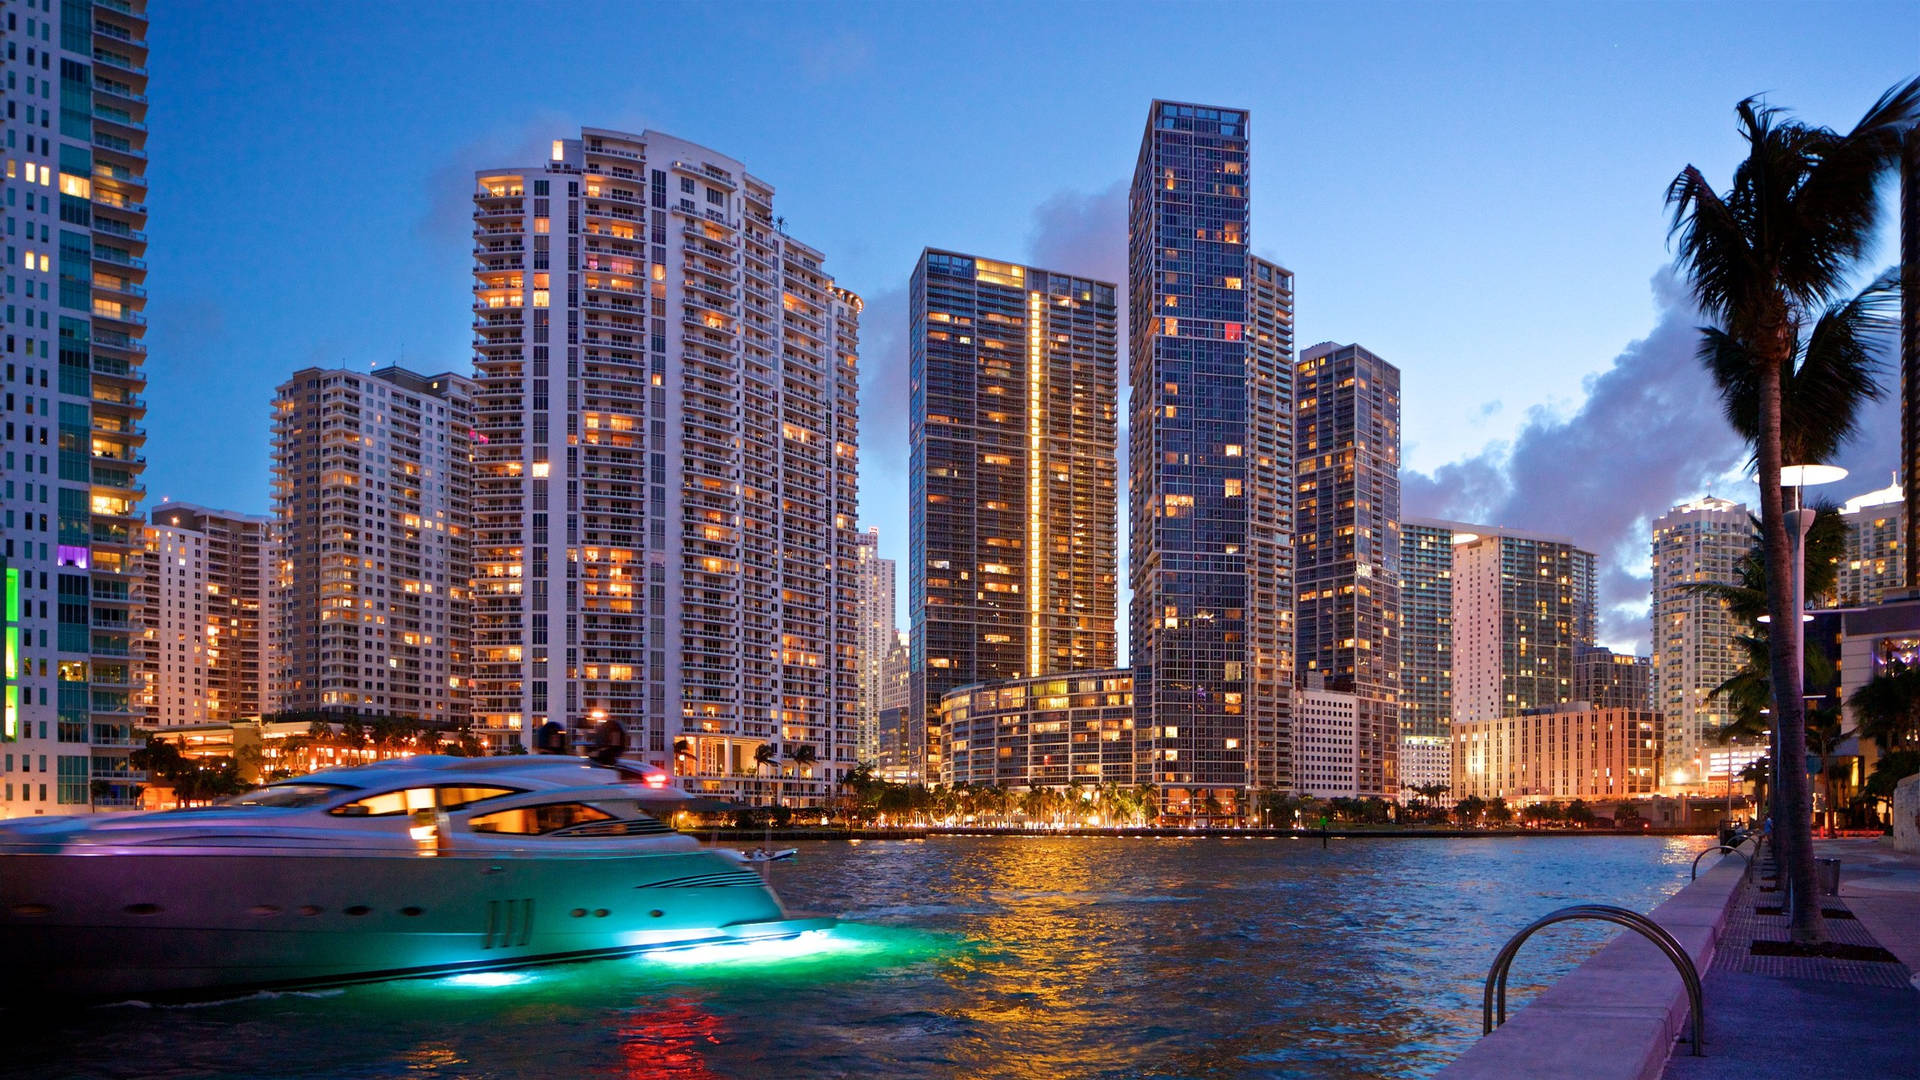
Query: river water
{"x": 970, "y": 957}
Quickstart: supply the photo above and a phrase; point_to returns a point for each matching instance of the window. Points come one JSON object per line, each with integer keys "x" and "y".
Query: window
{"x": 538, "y": 820}
{"x": 451, "y": 797}
{"x": 287, "y": 795}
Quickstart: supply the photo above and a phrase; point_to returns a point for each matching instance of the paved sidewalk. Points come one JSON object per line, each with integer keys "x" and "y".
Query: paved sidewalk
{"x": 1786, "y": 1018}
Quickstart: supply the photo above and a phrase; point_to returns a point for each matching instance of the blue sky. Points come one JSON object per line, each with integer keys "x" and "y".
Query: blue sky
{"x": 1472, "y": 191}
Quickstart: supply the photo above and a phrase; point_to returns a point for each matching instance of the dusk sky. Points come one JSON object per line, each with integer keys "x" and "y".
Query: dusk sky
{"x": 1472, "y": 192}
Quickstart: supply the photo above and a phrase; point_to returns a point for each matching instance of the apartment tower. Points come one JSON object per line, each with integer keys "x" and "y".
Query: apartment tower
{"x": 874, "y": 596}
{"x": 1695, "y": 641}
{"x": 1211, "y": 471}
{"x": 1874, "y": 563}
{"x": 1609, "y": 680}
{"x": 206, "y": 611}
{"x": 372, "y": 496}
{"x": 1347, "y": 544}
{"x": 76, "y": 164}
{"x": 1426, "y": 626}
{"x": 1014, "y": 482}
{"x": 666, "y": 466}
{"x": 1522, "y": 606}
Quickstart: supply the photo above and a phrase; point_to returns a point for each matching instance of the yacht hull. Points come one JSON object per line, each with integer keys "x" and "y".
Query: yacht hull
{"x": 162, "y": 925}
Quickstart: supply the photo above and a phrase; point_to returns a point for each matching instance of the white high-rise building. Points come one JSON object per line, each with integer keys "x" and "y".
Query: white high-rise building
{"x": 1694, "y": 639}
{"x": 207, "y": 604}
{"x": 372, "y": 479}
{"x": 1522, "y": 605}
{"x": 76, "y": 209}
{"x": 875, "y": 600}
{"x": 666, "y": 466}
{"x": 1326, "y": 738}
{"x": 1875, "y": 562}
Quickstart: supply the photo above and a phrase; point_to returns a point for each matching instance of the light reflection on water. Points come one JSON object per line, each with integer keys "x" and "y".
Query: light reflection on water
{"x": 1019, "y": 957}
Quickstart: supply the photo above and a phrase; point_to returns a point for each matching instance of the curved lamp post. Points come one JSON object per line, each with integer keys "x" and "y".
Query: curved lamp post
{"x": 1799, "y": 521}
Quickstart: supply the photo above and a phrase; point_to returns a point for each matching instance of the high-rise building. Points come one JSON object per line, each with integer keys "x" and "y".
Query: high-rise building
{"x": 1910, "y": 338}
{"x": 1695, "y": 641}
{"x": 1522, "y": 604}
{"x": 1875, "y": 561}
{"x": 207, "y": 591}
{"x": 1326, "y": 742}
{"x": 76, "y": 164}
{"x": 1347, "y": 544}
{"x": 1211, "y": 467}
{"x": 666, "y": 469}
{"x": 1609, "y": 680}
{"x": 372, "y": 499}
{"x": 874, "y": 597}
{"x": 1014, "y": 483}
{"x": 897, "y": 759}
{"x": 1426, "y": 627}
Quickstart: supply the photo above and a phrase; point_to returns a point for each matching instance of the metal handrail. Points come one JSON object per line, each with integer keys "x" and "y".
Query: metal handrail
{"x": 1632, "y": 920}
{"x": 1721, "y": 847}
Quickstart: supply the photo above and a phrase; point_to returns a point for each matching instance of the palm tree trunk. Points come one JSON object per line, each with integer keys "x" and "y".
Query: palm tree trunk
{"x": 1792, "y": 802}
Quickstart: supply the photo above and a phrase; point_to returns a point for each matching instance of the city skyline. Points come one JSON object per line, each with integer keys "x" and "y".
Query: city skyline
{"x": 1520, "y": 299}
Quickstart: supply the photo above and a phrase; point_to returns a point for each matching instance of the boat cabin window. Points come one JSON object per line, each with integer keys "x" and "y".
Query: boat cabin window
{"x": 407, "y": 800}
{"x": 287, "y": 795}
{"x": 538, "y": 820}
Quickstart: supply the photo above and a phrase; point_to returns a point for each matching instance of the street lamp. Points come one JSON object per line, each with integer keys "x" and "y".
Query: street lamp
{"x": 1799, "y": 521}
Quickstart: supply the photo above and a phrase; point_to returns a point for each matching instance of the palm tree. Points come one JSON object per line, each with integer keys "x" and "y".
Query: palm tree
{"x": 1769, "y": 261}
{"x": 764, "y": 755}
{"x": 1889, "y": 707}
{"x": 803, "y": 757}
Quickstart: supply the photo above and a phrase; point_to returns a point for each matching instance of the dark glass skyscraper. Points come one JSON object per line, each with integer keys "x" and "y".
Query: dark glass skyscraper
{"x": 1014, "y": 482}
{"x": 1211, "y": 468}
{"x": 1426, "y": 627}
{"x": 1347, "y": 543}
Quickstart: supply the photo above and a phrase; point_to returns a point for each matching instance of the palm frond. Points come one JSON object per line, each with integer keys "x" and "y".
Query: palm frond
{"x": 1836, "y": 210}
{"x": 1839, "y": 371}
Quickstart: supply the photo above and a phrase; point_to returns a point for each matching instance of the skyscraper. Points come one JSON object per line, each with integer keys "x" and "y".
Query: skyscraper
{"x": 1347, "y": 544}
{"x": 1013, "y": 478}
{"x": 1875, "y": 561}
{"x": 372, "y": 496}
{"x": 1695, "y": 641}
{"x": 1211, "y": 471}
{"x": 1609, "y": 680}
{"x": 1910, "y": 338}
{"x": 875, "y": 626}
{"x": 666, "y": 465}
{"x": 76, "y": 166}
{"x": 1426, "y": 626}
{"x": 1522, "y": 604}
{"x": 207, "y": 609}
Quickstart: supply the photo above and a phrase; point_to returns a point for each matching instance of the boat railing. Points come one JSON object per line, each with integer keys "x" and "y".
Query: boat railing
{"x": 1494, "y": 1002}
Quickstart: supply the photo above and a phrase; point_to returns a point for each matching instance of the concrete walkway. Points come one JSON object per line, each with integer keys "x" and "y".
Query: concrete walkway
{"x": 1804, "y": 1017}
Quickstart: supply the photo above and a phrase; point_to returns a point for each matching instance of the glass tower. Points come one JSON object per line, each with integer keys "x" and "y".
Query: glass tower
{"x": 1347, "y": 543}
{"x": 1211, "y": 468}
{"x": 76, "y": 164}
{"x": 1426, "y": 627}
{"x": 1013, "y": 479}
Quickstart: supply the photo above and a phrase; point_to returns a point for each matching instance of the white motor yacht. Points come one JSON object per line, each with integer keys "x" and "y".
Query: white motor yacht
{"x": 420, "y": 866}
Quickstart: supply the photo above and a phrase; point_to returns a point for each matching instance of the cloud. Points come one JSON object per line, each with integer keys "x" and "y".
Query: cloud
{"x": 449, "y": 200}
{"x": 1648, "y": 434}
{"x": 836, "y": 57}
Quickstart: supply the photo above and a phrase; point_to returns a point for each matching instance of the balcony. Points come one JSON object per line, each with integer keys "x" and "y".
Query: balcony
{"x": 116, "y": 145}
{"x": 117, "y": 257}
{"x": 119, "y": 61}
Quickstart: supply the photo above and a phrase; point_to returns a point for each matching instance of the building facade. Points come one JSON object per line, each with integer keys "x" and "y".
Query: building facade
{"x": 76, "y": 185}
{"x": 1347, "y": 620}
{"x": 1695, "y": 641}
{"x": 1609, "y": 680}
{"x": 1013, "y": 479}
{"x": 897, "y": 758}
{"x": 1425, "y": 760}
{"x": 1549, "y": 754}
{"x": 1426, "y": 629}
{"x": 874, "y": 598}
{"x": 1326, "y": 743}
{"x": 1875, "y": 561}
{"x": 372, "y": 497}
{"x": 1522, "y": 605}
{"x": 207, "y": 609}
{"x": 1043, "y": 732}
{"x": 666, "y": 466}
{"x": 1211, "y": 471}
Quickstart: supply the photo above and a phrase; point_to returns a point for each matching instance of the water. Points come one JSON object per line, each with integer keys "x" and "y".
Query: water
{"x": 1005, "y": 957}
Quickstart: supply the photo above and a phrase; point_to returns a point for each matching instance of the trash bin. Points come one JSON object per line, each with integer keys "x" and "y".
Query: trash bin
{"x": 1826, "y": 876}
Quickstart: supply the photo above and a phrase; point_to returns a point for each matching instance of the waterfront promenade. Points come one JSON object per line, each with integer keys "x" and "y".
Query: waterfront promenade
{"x": 1804, "y": 1017}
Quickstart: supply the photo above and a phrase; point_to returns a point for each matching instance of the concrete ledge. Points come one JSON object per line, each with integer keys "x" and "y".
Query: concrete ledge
{"x": 1616, "y": 1016}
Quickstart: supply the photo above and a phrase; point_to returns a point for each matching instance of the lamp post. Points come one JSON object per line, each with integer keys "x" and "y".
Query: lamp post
{"x": 1799, "y": 521}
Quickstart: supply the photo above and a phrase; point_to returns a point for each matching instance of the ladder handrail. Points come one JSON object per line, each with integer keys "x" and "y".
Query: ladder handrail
{"x": 1632, "y": 920}
{"x": 1704, "y": 852}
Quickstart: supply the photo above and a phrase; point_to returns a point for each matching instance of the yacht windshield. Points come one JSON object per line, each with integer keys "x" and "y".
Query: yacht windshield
{"x": 288, "y": 795}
